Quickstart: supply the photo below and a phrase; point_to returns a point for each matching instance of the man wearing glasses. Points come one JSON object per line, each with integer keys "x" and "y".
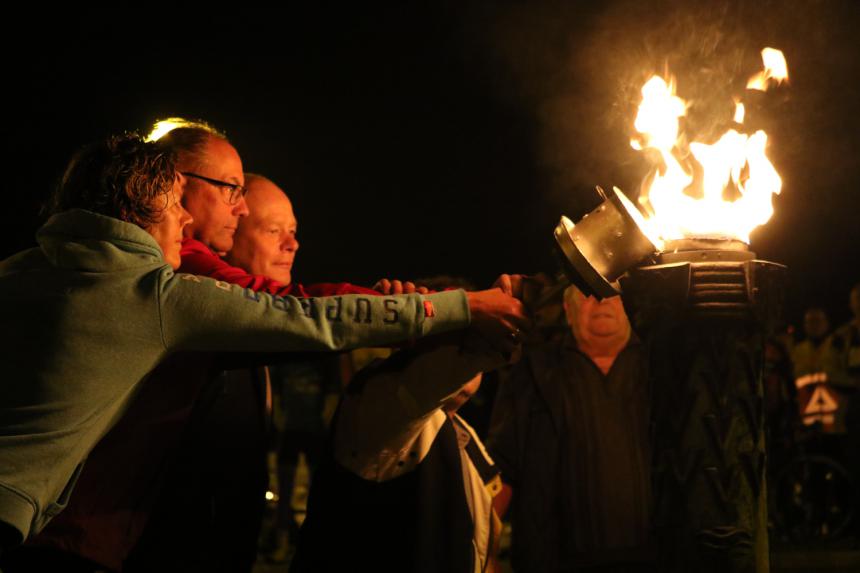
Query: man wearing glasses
{"x": 214, "y": 188}
{"x": 232, "y": 194}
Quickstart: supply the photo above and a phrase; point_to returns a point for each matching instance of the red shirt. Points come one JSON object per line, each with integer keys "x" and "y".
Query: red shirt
{"x": 198, "y": 259}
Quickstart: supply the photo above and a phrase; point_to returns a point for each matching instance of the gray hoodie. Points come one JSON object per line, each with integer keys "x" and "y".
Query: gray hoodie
{"x": 91, "y": 311}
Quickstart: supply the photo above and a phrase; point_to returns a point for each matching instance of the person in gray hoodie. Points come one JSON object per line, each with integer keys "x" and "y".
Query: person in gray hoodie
{"x": 97, "y": 305}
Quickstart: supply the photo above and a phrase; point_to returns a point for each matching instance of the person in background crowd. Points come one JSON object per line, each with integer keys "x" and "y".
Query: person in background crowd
{"x": 810, "y": 354}
{"x": 819, "y": 397}
{"x": 845, "y": 345}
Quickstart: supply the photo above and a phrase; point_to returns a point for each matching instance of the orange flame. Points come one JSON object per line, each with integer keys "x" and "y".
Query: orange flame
{"x": 735, "y": 165}
{"x": 775, "y": 68}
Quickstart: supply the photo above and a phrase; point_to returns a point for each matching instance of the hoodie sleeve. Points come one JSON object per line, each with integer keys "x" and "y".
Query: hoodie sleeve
{"x": 199, "y": 313}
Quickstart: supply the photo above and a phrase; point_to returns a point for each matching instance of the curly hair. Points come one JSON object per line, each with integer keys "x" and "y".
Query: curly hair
{"x": 121, "y": 176}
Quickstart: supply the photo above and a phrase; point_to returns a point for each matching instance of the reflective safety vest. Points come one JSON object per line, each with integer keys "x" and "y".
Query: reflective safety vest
{"x": 818, "y": 402}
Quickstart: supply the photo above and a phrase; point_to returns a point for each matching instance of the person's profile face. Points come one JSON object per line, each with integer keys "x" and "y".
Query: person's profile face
{"x": 168, "y": 231}
{"x": 215, "y": 219}
{"x": 265, "y": 243}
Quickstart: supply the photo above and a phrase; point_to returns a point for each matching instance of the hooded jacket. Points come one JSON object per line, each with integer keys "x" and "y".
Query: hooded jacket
{"x": 91, "y": 311}
{"x": 403, "y": 486}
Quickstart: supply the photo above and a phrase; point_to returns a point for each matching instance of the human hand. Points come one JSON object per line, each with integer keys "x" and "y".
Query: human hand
{"x": 499, "y": 318}
{"x": 511, "y": 285}
{"x": 395, "y": 286}
{"x": 529, "y": 289}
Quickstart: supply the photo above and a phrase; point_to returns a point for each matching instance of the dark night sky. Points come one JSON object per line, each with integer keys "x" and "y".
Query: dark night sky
{"x": 418, "y": 141}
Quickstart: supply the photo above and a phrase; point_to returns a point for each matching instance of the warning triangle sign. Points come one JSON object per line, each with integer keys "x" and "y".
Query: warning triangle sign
{"x": 821, "y": 402}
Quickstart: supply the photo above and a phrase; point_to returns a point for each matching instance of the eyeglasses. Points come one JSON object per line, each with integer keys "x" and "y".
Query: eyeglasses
{"x": 234, "y": 190}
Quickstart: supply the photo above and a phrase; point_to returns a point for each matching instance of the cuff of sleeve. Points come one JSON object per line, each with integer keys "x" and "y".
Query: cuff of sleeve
{"x": 444, "y": 312}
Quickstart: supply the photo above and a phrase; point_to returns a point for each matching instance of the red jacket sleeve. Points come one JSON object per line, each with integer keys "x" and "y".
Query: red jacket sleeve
{"x": 198, "y": 259}
{"x": 332, "y": 289}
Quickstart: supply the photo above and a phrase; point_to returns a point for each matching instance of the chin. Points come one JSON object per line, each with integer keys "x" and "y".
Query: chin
{"x": 605, "y": 332}
{"x": 222, "y": 244}
{"x": 278, "y": 273}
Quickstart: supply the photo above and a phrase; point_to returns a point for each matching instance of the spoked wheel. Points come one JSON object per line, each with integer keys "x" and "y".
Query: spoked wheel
{"x": 814, "y": 499}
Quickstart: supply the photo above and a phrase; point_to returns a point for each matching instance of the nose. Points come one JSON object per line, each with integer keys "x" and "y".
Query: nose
{"x": 185, "y": 218}
{"x": 240, "y": 209}
{"x": 290, "y": 243}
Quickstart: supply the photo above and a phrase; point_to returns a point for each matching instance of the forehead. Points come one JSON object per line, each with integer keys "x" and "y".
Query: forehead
{"x": 267, "y": 202}
{"x": 221, "y": 160}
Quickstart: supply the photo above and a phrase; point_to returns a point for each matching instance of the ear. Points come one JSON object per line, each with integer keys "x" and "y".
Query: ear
{"x": 569, "y": 313}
